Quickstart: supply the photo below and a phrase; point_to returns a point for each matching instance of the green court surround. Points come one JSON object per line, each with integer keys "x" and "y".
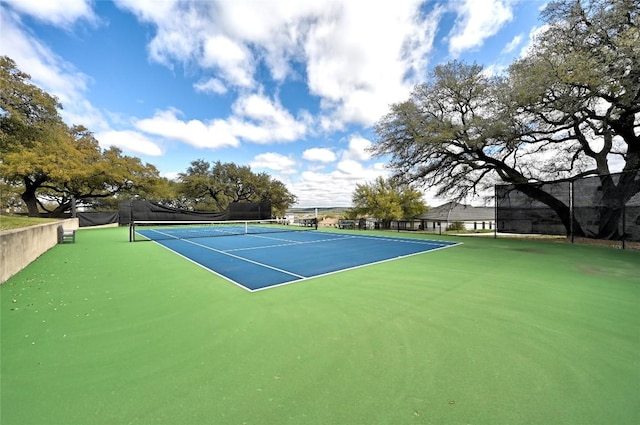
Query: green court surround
{"x": 493, "y": 332}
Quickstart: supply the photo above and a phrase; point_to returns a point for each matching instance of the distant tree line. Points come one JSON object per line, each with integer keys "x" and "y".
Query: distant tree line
{"x": 213, "y": 186}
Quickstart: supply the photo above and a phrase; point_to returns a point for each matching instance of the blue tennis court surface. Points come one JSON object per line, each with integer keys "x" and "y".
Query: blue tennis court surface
{"x": 261, "y": 261}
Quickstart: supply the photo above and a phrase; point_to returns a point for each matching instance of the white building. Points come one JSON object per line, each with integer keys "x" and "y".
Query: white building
{"x": 444, "y": 216}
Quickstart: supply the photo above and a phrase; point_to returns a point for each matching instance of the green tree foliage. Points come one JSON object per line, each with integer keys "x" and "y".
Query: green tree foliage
{"x": 351, "y": 214}
{"x": 213, "y": 186}
{"x": 564, "y": 111}
{"x": 160, "y": 190}
{"x": 49, "y": 163}
{"x": 27, "y": 113}
{"x": 387, "y": 200}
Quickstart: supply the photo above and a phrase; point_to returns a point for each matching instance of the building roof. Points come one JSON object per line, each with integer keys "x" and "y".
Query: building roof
{"x": 453, "y": 211}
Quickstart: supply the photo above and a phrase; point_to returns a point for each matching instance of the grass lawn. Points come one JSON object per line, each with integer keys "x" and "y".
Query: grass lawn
{"x": 105, "y": 331}
{"x": 8, "y": 222}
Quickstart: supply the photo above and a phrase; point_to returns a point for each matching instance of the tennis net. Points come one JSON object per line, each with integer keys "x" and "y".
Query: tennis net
{"x": 162, "y": 230}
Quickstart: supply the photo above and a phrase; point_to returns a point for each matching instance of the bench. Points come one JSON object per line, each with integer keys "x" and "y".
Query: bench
{"x": 66, "y": 235}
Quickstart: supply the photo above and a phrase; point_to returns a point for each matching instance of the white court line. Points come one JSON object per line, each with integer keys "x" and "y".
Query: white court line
{"x": 397, "y": 239}
{"x": 207, "y": 268}
{"x": 286, "y": 242}
{"x": 298, "y": 276}
{"x": 353, "y": 268}
{"x": 244, "y": 259}
{"x": 337, "y": 237}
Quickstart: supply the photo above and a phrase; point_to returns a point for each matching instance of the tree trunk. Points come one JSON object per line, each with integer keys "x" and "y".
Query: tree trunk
{"x": 60, "y": 210}
{"x": 614, "y": 197}
{"x": 561, "y": 209}
{"x": 29, "y": 196}
{"x": 609, "y": 225}
{"x": 30, "y": 201}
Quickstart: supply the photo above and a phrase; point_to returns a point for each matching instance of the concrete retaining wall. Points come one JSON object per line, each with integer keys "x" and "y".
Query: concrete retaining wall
{"x": 19, "y": 247}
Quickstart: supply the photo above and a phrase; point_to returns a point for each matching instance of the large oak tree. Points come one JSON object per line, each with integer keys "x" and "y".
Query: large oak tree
{"x": 49, "y": 163}
{"x": 565, "y": 111}
{"x": 583, "y": 77}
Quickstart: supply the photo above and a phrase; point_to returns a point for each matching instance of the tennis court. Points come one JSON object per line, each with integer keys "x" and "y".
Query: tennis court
{"x": 259, "y": 255}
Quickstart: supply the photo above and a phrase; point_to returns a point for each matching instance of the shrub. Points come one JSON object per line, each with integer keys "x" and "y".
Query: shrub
{"x": 456, "y": 225}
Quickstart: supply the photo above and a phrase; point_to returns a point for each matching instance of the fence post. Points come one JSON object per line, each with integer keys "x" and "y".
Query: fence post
{"x": 495, "y": 211}
{"x": 624, "y": 226}
{"x": 571, "y": 206}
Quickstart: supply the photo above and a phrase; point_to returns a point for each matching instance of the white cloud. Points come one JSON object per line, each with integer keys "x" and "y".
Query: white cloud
{"x": 255, "y": 119}
{"x": 212, "y": 85}
{"x": 259, "y": 119}
{"x": 60, "y": 13}
{"x": 232, "y": 58}
{"x": 334, "y": 188}
{"x": 318, "y": 188}
{"x": 513, "y": 44}
{"x": 477, "y": 21}
{"x": 319, "y": 155}
{"x": 178, "y": 28}
{"x": 50, "y": 72}
{"x": 533, "y": 35}
{"x": 215, "y": 134}
{"x": 348, "y": 168}
{"x": 358, "y": 149}
{"x": 494, "y": 69}
{"x": 274, "y": 161}
{"x": 171, "y": 175}
{"x": 260, "y": 108}
{"x": 356, "y": 68}
{"x": 129, "y": 140}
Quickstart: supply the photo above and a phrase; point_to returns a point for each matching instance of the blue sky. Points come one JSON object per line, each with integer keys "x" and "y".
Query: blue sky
{"x": 291, "y": 88}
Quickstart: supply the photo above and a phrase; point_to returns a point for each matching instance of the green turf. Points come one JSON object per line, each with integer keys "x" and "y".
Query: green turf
{"x": 490, "y": 332}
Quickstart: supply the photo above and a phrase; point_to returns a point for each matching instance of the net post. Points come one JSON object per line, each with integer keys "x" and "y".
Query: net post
{"x": 131, "y": 231}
